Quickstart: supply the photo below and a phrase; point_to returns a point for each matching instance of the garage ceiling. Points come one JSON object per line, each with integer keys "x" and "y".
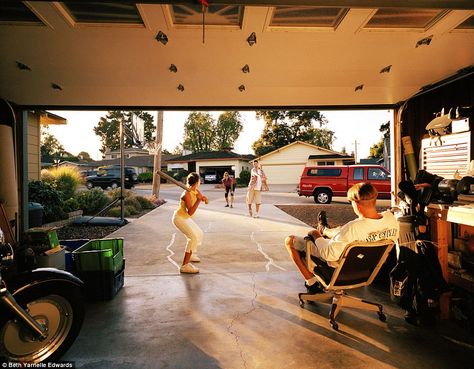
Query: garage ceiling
{"x": 155, "y": 55}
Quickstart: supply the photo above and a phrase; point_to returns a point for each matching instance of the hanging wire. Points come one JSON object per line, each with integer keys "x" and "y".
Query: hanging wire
{"x": 204, "y": 5}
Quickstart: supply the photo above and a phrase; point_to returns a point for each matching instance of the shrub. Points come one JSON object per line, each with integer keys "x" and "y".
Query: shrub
{"x": 146, "y": 203}
{"x": 244, "y": 177}
{"x": 131, "y": 210}
{"x": 47, "y": 176}
{"x": 65, "y": 179}
{"x": 145, "y": 177}
{"x": 45, "y": 194}
{"x": 92, "y": 201}
{"x": 180, "y": 174}
{"x": 116, "y": 212}
{"x": 133, "y": 203}
{"x": 71, "y": 205}
{"x": 115, "y": 193}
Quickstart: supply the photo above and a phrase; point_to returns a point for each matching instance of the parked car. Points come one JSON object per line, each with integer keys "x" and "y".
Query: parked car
{"x": 210, "y": 176}
{"x": 324, "y": 182}
{"x": 110, "y": 177}
{"x": 87, "y": 173}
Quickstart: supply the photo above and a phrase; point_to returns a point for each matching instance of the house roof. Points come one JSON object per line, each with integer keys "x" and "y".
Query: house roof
{"x": 330, "y": 152}
{"x": 136, "y": 161}
{"x": 339, "y": 156}
{"x": 211, "y": 155}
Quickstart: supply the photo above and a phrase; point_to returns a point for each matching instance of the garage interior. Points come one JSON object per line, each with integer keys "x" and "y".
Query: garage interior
{"x": 416, "y": 58}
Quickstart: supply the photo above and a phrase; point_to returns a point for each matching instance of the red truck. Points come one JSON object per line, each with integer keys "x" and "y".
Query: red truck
{"x": 324, "y": 182}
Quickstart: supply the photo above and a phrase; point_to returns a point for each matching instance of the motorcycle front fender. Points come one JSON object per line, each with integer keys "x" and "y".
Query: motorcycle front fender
{"x": 41, "y": 276}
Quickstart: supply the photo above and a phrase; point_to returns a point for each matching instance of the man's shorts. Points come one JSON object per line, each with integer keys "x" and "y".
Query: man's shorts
{"x": 254, "y": 195}
{"x": 299, "y": 243}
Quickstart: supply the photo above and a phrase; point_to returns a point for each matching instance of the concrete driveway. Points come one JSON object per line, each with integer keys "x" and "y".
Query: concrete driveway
{"x": 242, "y": 310}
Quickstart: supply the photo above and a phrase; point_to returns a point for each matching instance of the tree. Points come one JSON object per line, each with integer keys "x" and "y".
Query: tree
{"x": 228, "y": 128}
{"x": 203, "y": 133}
{"x": 376, "y": 150}
{"x": 284, "y": 127}
{"x": 199, "y": 132}
{"x": 83, "y": 155}
{"x": 50, "y": 147}
{"x": 108, "y": 129}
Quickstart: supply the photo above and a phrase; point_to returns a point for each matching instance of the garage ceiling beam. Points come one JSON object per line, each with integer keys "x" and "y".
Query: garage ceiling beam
{"x": 418, "y": 4}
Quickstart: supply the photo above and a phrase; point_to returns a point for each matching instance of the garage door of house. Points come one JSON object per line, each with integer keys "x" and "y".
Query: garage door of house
{"x": 283, "y": 174}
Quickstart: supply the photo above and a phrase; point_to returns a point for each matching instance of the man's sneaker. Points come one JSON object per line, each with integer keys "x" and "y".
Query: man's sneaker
{"x": 226, "y": 206}
{"x": 195, "y": 258}
{"x": 314, "y": 288}
{"x": 189, "y": 269}
{"x": 322, "y": 221}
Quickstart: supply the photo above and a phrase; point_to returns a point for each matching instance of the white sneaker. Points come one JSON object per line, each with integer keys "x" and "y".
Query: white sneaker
{"x": 256, "y": 215}
{"x": 189, "y": 269}
{"x": 195, "y": 258}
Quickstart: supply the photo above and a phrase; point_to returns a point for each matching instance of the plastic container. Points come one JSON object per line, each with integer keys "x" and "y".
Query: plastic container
{"x": 70, "y": 246}
{"x": 105, "y": 255}
{"x": 43, "y": 236}
{"x": 102, "y": 285}
{"x": 35, "y": 214}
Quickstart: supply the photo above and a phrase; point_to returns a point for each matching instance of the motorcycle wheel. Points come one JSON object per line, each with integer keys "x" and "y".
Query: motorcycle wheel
{"x": 56, "y": 305}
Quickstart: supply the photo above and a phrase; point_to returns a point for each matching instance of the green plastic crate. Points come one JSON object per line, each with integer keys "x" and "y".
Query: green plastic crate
{"x": 43, "y": 236}
{"x": 99, "y": 255}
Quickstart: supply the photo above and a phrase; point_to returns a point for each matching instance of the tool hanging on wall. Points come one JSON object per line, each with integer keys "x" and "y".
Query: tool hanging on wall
{"x": 439, "y": 126}
{"x": 204, "y": 6}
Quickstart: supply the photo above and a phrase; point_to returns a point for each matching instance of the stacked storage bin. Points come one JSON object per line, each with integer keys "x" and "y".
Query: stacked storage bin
{"x": 100, "y": 265}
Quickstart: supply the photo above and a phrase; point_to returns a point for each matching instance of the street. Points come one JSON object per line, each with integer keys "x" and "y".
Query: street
{"x": 278, "y": 194}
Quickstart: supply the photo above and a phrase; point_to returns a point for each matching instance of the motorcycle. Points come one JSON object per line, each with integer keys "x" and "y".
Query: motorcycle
{"x": 41, "y": 311}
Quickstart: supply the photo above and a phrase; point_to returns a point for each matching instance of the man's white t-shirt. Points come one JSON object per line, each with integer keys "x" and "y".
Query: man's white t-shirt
{"x": 258, "y": 173}
{"x": 361, "y": 229}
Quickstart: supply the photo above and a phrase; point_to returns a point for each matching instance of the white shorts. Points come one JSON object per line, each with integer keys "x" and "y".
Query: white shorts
{"x": 299, "y": 243}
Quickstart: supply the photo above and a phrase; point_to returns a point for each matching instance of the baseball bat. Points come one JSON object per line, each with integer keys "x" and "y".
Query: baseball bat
{"x": 172, "y": 180}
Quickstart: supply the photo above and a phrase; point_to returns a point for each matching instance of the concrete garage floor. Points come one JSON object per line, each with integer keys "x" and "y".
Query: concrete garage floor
{"x": 241, "y": 311}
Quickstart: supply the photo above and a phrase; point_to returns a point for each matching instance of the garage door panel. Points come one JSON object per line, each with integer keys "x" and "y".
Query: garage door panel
{"x": 283, "y": 174}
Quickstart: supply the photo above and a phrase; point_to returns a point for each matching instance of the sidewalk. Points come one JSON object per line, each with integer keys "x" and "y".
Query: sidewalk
{"x": 241, "y": 311}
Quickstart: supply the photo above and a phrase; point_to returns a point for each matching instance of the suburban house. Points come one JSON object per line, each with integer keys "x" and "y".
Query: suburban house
{"x": 34, "y": 121}
{"x": 141, "y": 163}
{"x": 285, "y": 165}
{"x": 127, "y": 152}
{"x": 215, "y": 162}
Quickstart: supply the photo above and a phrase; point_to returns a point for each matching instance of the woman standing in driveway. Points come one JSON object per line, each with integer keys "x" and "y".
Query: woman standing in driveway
{"x": 182, "y": 219}
{"x": 228, "y": 183}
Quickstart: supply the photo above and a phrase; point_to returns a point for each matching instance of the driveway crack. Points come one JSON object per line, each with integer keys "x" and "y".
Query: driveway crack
{"x": 233, "y": 331}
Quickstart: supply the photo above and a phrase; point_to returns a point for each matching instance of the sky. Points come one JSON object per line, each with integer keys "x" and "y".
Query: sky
{"x": 361, "y": 126}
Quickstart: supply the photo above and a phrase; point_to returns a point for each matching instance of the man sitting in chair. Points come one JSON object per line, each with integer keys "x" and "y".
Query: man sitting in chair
{"x": 370, "y": 226}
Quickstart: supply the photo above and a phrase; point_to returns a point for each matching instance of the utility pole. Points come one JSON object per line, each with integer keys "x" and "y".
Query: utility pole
{"x": 355, "y": 151}
{"x": 157, "y": 161}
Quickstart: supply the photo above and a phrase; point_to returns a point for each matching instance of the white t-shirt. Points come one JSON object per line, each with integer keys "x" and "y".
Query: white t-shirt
{"x": 361, "y": 229}
{"x": 258, "y": 173}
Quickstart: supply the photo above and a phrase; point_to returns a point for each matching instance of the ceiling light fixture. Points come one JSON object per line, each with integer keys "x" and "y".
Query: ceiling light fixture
{"x": 424, "y": 41}
{"x": 246, "y": 68}
{"x": 161, "y": 37}
{"x": 22, "y": 66}
{"x": 173, "y": 68}
{"x": 180, "y": 88}
{"x": 386, "y": 69}
{"x": 359, "y": 88}
{"x": 252, "y": 39}
{"x": 55, "y": 86}
{"x": 241, "y": 88}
